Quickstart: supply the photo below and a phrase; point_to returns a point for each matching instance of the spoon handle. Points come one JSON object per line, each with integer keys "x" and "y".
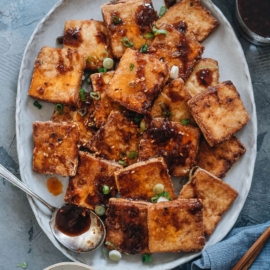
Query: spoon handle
{"x": 15, "y": 181}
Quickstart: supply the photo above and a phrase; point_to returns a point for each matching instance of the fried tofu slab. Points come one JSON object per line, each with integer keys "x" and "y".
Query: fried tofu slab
{"x": 216, "y": 197}
{"x": 85, "y": 188}
{"x": 126, "y": 226}
{"x": 191, "y": 17}
{"x": 137, "y": 81}
{"x": 90, "y": 38}
{"x": 138, "y": 180}
{"x": 205, "y": 73}
{"x": 176, "y": 143}
{"x": 177, "y": 49}
{"x": 127, "y": 22}
{"x": 219, "y": 112}
{"x": 172, "y": 103}
{"x": 117, "y": 140}
{"x": 57, "y": 76}
{"x": 55, "y": 148}
{"x": 176, "y": 226}
{"x": 219, "y": 159}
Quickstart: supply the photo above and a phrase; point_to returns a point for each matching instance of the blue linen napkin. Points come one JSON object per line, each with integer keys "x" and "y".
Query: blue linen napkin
{"x": 225, "y": 254}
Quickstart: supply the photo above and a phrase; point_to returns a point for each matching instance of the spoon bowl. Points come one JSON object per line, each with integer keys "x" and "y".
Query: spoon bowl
{"x": 83, "y": 230}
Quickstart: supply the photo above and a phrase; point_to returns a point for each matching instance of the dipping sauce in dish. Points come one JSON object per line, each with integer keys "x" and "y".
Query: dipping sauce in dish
{"x": 256, "y": 16}
{"x": 55, "y": 186}
{"x": 73, "y": 220}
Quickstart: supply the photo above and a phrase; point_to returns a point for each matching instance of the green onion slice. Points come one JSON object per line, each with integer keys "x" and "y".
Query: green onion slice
{"x": 116, "y": 20}
{"x": 127, "y": 43}
{"x": 157, "y": 31}
{"x": 162, "y": 11}
{"x": 185, "y": 121}
{"x": 108, "y": 63}
{"x": 82, "y": 111}
{"x": 23, "y": 265}
{"x": 105, "y": 189}
{"x": 158, "y": 188}
{"x": 37, "y": 104}
{"x": 122, "y": 162}
{"x": 59, "y": 108}
{"x": 92, "y": 60}
{"x": 132, "y": 154}
{"x": 102, "y": 70}
{"x": 131, "y": 66}
{"x": 142, "y": 126}
{"x": 149, "y": 35}
{"x": 82, "y": 95}
{"x": 100, "y": 210}
{"x": 144, "y": 48}
{"x": 164, "y": 194}
{"x": 95, "y": 95}
{"x": 146, "y": 258}
{"x": 103, "y": 55}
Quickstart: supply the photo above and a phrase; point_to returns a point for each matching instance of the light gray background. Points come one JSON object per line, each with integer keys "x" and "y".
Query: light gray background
{"x": 21, "y": 239}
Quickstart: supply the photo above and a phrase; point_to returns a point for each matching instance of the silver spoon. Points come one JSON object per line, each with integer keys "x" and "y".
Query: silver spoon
{"x": 82, "y": 243}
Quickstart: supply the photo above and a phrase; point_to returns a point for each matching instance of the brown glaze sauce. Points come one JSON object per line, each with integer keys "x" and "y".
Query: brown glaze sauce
{"x": 73, "y": 220}
{"x": 101, "y": 38}
{"x": 55, "y": 186}
{"x": 184, "y": 51}
{"x": 181, "y": 27}
{"x": 61, "y": 67}
{"x": 73, "y": 37}
{"x": 204, "y": 76}
{"x": 145, "y": 15}
{"x": 175, "y": 96}
{"x": 256, "y": 15}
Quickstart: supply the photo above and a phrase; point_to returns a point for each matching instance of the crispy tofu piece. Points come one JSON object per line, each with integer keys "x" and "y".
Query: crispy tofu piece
{"x": 187, "y": 192}
{"x": 219, "y": 112}
{"x": 55, "y": 148}
{"x": 220, "y": 158}
{"x": 191, "y": 17}
{"x": 137, "y": 81}
{"x": 129, "y": 19}
{"x": 104, "y": 105}
{"x": 85, "y": 188}
{"x": 176, "y": 226}
{"x": 138, "y": 180}
{"x": 57, "y": 76}
{"x": 216, "y": 197}
{"x": 90, "y": 38}
{"x": 172, "y": 103}
{"x": 126, "y": 226}
{"x": 177, "y": 49}
{"x": 205, "y": 73}
{"x": 117, "y": 140}
{"x": 176, "y": 143}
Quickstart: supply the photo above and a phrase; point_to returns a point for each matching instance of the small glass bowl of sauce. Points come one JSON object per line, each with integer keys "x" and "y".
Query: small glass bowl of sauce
{"x": 253, "y": 20}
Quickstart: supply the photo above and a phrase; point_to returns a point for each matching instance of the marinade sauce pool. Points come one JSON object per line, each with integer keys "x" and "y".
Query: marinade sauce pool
{"x": 256, "y": 16}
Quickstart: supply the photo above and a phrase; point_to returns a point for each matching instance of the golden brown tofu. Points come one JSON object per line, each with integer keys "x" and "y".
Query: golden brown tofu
{"x": 176, "y": 226}
{"x": 117, "y": 140}
{"x": 55, "y": 148}
{"x": 219, "y": 112}
{"x": 175, "y": 142}
{"x": 187, "y": 192}
{"x": 130, "y": 20}
{"x": 137, "y": 81}
{"x": 57, "y": 76}
{"x": 219, "y": 159}
{"x": 138, "y": 180}
{"x": 90, "y": 38}
{"x": 216, "y": 197}
{"x": 172, "y": 103}
{"x": 177, "y": 49}
{"x": 205, "y": 73}
{"x": 104, "y": 105}
{"x": 85, "y": 188}
{"x": 191, "y": 17}
{"x": 126, "y": 226}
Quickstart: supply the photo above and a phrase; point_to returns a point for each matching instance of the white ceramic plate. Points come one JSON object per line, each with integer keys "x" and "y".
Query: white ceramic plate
{"x": 222, "y": 45}
{"x": 69, "y": 266}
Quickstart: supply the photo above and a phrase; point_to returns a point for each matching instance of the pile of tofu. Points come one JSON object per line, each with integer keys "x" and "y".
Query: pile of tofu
{"x": 144, "y": 126}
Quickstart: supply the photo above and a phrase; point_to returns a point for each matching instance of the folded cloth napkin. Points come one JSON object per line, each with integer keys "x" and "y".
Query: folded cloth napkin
{"x": 225, "y": 254}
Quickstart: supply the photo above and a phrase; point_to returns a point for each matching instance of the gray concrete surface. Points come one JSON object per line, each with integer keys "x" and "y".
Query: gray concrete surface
{"x": 21, "y": 239}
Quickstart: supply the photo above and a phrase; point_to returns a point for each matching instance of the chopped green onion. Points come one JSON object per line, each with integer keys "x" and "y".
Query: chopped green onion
{"x": 164, "y": 194}
{"x": 82, "y": 111}
{"x": 108, "y": 63}
{"x": 105, "y": 253}
{"x": 100, "y": 210}
{"x": 162, "y": 11}
{"x": 137, "y": 119}
{"x": 132, "y": 84}
{"x": 116, "y": 20}
{"x": 158, "y": 188}
{"x": 92, "y": 60}
{"x": 146, "y": 258}
{"x": 95, "y": 95}
{"x": 122, "y": 155}
{"x": 82, "y": 95}
{"x": 132, "y": 154}
{"x": 23, "y": 265}
{"x": 102, "y": 70}
{"x": 127, "y": 43}
{"x": 103, "y": 55}
{"x": 131, "y": 66}
{"x": 162, "y": 199}
{"x": 37, "y": 104}
{"x": 144, "y": 48}
{"x": 149, "y": 35}
{"x": 157, "y": 31}
{"x": 107, "y": 243}
{"x": 115, "y": 255}
{"x": 167, "y": 114}
{"x": 122, "y": 162}
{"x": 185, "y": 121}
{"x": 154, "y": 199}
{"x": 59, "y": 108}
{"x": 105, "y": 189}
{"x": 142, "y": 126}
